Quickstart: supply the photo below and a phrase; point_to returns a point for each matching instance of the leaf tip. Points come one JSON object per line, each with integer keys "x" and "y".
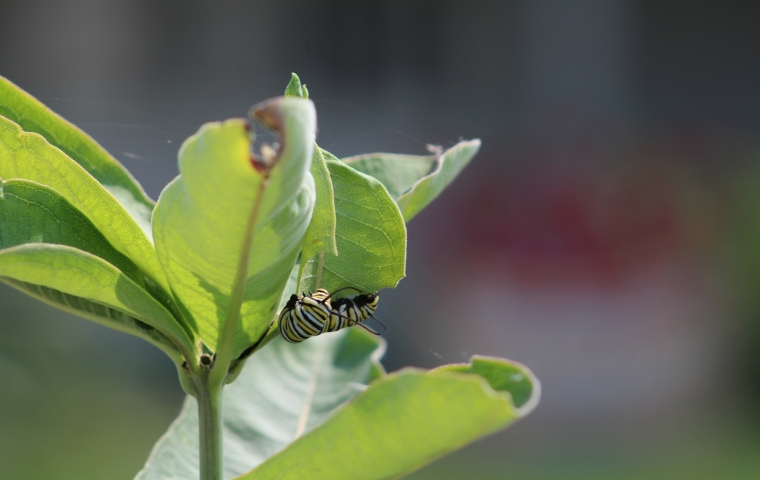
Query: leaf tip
{"x": 476, "y": 144}
{"x": 295, "y": 89}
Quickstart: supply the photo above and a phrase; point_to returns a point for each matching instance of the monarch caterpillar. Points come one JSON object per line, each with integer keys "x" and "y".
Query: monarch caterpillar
{"x": 347, "y": 312}
{"x": 313, "y": 314}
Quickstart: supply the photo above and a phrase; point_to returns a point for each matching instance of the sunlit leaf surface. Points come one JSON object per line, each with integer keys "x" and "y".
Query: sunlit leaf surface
{"x": 201, "y": 217}
{"x": 371, "y": 236}
{"x": 406, "y": 420}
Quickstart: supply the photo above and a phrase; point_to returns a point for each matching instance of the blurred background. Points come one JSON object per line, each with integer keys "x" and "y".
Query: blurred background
{"x": 607, "y": 235}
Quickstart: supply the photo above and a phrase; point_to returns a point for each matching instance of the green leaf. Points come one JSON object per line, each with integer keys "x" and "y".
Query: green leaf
{"x": 328, "y": 156}
{"x": 397, "y": 172}
{"x": 100, "y": 314}
{"x": 29, "y": 156}
{"x": 284, "y": 390}
{"x": 503, "y": 376}
{"x": 404, "y": 421}
{"x": 320, "y": 236}
{"x": 200, "y": 220}
{"x": 411, "y": 183}
{"x": 370, "y": 233}
{"x": 25, "y": 110}
{"x": 33, "y": 213}
{"x": 89, "y": 283}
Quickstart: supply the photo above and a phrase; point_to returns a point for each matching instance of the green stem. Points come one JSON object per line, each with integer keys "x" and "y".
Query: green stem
{"x": 210, "y": 421}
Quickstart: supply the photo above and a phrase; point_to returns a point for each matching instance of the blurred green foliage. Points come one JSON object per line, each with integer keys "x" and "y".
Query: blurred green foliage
{"x": 72, "y": 387}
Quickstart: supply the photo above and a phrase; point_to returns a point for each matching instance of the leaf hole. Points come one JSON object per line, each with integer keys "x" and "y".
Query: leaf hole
{"x": 266, "y": 145}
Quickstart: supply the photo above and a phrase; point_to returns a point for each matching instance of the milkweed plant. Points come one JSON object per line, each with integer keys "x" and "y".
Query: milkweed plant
{"x": 235, "y": 245}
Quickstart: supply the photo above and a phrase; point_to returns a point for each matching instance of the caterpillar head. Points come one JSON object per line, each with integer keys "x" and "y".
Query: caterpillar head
{"x": 368, "y": 299}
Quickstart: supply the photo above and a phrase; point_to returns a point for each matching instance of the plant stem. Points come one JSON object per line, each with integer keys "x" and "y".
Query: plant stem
{"x": 209, "y": 399}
